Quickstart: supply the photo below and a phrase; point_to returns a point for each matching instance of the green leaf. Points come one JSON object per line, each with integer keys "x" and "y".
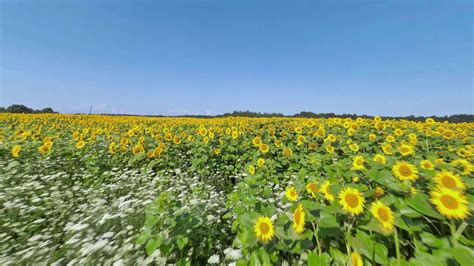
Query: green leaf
{"x": 316, "y": 260}
{"x": 151, "y": 246}
{"x": 327, "y": 220}
{"x": 421, "y": 204}
{"x": 463, "y": 255}
{"x": 369, "y": 248}
{"x": 182, "y": 241}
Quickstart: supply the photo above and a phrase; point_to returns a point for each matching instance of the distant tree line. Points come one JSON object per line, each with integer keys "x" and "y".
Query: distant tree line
{"x": 21, "y": 109}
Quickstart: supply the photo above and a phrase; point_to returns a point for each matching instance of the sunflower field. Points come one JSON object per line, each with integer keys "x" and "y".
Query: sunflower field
{"x": 127, "y": 190}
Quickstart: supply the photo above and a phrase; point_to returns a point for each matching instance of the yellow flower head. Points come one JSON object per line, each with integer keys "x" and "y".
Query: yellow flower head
{"x": 264, "y": 229}
{"x": 260, "y": 162}
{"x": 287, "y": 152}
{"x": 379, "y": 158}
{"x": 427, "y": 165}
{"x": 450, "y": 203}
{"x": 383, "y": 214}
{"x": 80, "y": 144}
{"x": 356, "y": 259}
{"x": 291, "y": 194}
{"x": 379, "y": 192}
{"x": 351, "y": 201}
{"x": 264, "y": 148}
{"x": 405, "y": 150}
{"x": 252, "y": 169}
{"x": 298, "y": 219}
{"x": 16, "y": 151}
{"x": 405, "y": 171}
{"x": 449, "y": 180}
{"x": 312, "y": 189}
{"x": 358, "y": 163}
{"x": 326, "y": 192}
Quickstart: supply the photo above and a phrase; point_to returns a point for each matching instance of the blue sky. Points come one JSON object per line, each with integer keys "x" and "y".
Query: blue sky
{"x": 211, "y": 57}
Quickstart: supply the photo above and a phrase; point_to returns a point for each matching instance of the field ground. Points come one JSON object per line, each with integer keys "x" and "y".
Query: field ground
{"x": 118, "y": 190}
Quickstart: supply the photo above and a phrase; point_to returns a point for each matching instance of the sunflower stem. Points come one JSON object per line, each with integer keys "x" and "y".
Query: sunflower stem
{"x": 316, "y": 231}
{"x": 452, "y": 227}
{"x": 397, "y": 245}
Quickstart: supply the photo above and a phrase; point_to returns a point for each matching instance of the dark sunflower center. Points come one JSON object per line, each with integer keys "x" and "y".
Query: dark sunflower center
{"x": 383, "y": 214}
{"x": 405, "y": 170}
{"x": 449, "y": 202}
{"x": 264, "y": 228}
{"x": 352, "y": 200}
{"x": 448, "y": 182}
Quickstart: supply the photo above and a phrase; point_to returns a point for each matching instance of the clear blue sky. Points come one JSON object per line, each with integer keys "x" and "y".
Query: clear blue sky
{"x": 210, "y": 57}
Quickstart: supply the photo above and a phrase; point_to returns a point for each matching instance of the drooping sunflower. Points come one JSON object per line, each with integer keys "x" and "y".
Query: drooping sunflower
{"x": 112, "y": 147}
{"x": 383, "y": 214}
{"x": 312, "y": 189}
{"x": 252, "y": 169}
{"x": 405, "y": 171}
{"x": 325, "y": 190}
{"x": 291, "y": 193}
{"x": 299, "y": 219}
{"x": 358, "y": 163}
{"x": 427, "y": 165}
{"x": 356, "y": 259}
{"x": 351, "y": 200}
{"x": 450, "y": 203}
{"x": 16, "y": 151}
{"x": 449, "y": 180}
{"x": 264, "y": 229}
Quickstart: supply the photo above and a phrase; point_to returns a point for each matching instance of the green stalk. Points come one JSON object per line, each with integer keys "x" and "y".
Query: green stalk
{"x": 454, "y": 238}
{"x": 316, "y": 230}
{"x": 397, "y": 246}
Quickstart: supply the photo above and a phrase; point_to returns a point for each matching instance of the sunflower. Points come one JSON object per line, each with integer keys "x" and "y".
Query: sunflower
{"x": 287, "y": 152}
{"x": 383, "y": 214}
{"x": 449, "y": 180}
{"x": 405, "y": 171}
{"x": 252, "y": 169}
{"x": 278, "y": 143}
{"x": 354, "y": 147}
{"x": 263, "y": 148}
{"x": 464, "y": 165}
{"x": 427, "y": 165}
{"x": 413, "y": 191}
{"x": 312, "y": 189}
{"x": 256, "y": 141}
{"x": 358, "y": 163}
{"x": 112, "y": 147}
{"x": 387, "y": 148}
{"x": 351, "y": 200}
{"x": 390, "y": 138}
{"x": 405, "y": 149}
{"x": 379, "y": 192}
{"x": 330, "y": 148}
{"x": 80, "y": 144}
{"x": 260, "y": 162}
{"x": 356, "y": 259}
{"x": 138, "y": 149}
{"x": 379, "y": 158}
{"x": 298, "y": 219}
{"x": 450, "y": 203}
{"x": 176, "y": 140}
{"x": 372, "y": 137}
{"x": 264, "y": 229}
{"x": 291, "y": 193}
{"x": 16, "y": 151}
{"x": 325, "y": 190}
